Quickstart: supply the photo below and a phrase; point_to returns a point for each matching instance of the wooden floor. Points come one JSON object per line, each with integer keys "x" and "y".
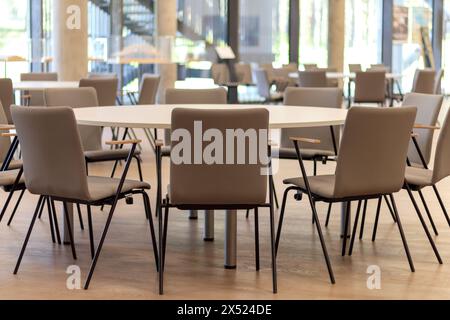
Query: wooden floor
{"x": 195, "y": 270}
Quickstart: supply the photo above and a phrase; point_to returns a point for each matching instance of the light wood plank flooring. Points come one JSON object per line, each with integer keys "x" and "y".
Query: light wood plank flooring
{"x": 195, "y": 269}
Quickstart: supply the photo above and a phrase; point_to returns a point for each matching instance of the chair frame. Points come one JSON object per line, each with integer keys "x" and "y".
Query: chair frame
{"x": 166, "y": 205}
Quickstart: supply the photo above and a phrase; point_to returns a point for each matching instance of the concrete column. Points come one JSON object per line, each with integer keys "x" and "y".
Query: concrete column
{"x": 166, "y": 12}
{"x": 70, "y": 39}
{"x": 336, "y": 34}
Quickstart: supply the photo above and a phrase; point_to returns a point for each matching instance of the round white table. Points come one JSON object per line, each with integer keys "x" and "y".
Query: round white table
{"x": 159, "y": 117}
{"x": 351, "y": 76}
{"x": 42, "y": 85}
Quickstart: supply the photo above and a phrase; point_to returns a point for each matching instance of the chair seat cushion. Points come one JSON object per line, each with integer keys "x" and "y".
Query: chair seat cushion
{"x": 419, "y": 177}
{"x": 108, "y": 155}
{"x": 322, "y": 186}
{"x": 307, "y": 154}
{"x": 103, "y": 187}
{"x": 7, "y": 178}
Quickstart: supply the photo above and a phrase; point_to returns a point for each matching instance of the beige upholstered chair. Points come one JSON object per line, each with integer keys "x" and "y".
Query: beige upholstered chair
{"x": 36, "y": 98}
{"x": 243, "y": 186}
{"x": 147, "y": 96}
{"x": 312, "y": 79}
{"x": 106, "y": 89}
{"x": 264, "y": 86}
{"x": 379, "y": 67}
{"x": 54, "y": 166}
{"x": 279, "y": 80}
{"x": 428, "y": 108}
{"x": 7, "y": 97}
{"x": 370, "y": 87}
{"x": 91, "y": 137}
{"x": 103, "y": 75}
{"x": 312, "y": 97}
{"x": 220, "y": 73}
{"x": 419, "y": 175}
{"x": 192, "y": 96}
{"x": 244, "y": 73}
{"x": 353, "y": 68}
{"x": 421, "y": 178}
{"x": 310, "y": 66}
{"x": 424, "y": 81}
{"x": 371, "y": 163}
{"x": 7, "y": 150}
{"x": 438, "y": 82}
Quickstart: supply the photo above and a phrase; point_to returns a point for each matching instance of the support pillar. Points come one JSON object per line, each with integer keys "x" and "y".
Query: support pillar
{"x": 336, "y": 34}
{"x": 166, "y": 28}
{"x": 70, "y": 39}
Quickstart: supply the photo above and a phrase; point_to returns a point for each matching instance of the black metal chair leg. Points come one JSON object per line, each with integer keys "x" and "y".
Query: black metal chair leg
{"x": 152, "y": 227}
{"x": 330, "y": 206}
{"x": 355, "y": 228}
{"x": 100, "y": 246}
{"x": 55, "y": 219}
{"x": 138, "y": 162}
{"x": 91, "y": 232}
{"x": 248, "y": 214}
{"x": 257, "y": 240}
{"x": 161, "y": 244}
{"x": 272, "y": 243}
{"x": 27, "y": 238}
{"x": 390, "y": 208}
{"x": 427, "y": 210}
{"x": 346, "y": 221}
{"x": 363, "y": 220}
{"x": 69, "y": 230}
{"x": 377, "y": 217}
{"x": 280, "y": 222}
{"x": 438, "y": 196}
{"x": 275, "y": 195}
{"x": 80, "y": 217}
{"x": 50, "y": 219}
{"x": 424, "y": 225}
{"x": 315, "y": 167}
{"x": 166, "y": 227}
{"x": 41, "y": 210}
{"x": 402, "y": 234}
{"x": 11, "y": 218}
{"x": 5, "y": 207}
{"x": 324, "y": 246}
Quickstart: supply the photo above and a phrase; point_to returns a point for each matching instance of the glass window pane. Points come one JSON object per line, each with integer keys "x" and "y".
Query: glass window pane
{"x": 363, "y": 32}
{"x": 314, "y": 32}
{"x": 264, "y": 31}
{"x": 14, "y": 37}
{"x": 413, "y": 19}
{"x": 446, "y": 46}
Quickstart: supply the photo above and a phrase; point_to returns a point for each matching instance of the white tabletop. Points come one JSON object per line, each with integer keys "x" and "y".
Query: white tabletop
{"x": 42, "y": 85}
{"x": 341, "y": 75}
{"x": 159, "y": 116}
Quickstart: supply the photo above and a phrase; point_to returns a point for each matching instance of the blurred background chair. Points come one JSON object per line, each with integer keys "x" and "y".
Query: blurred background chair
{"x": 36, "y": 98}
{"x": 7, "y": 97}
{"x": 370, "y": 87}
{"x": 312, "y": 79}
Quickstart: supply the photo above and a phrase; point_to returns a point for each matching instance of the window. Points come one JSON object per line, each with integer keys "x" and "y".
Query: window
{"x": 122, "y": 38}
{"x": 446, "y": 46}
{"x": 363, "y": 32}
{"x": 412, "y": 25}
{"x": 14, "y": 38}
{"x": 264, "y": 31}
{"x": 314, "y": 32}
